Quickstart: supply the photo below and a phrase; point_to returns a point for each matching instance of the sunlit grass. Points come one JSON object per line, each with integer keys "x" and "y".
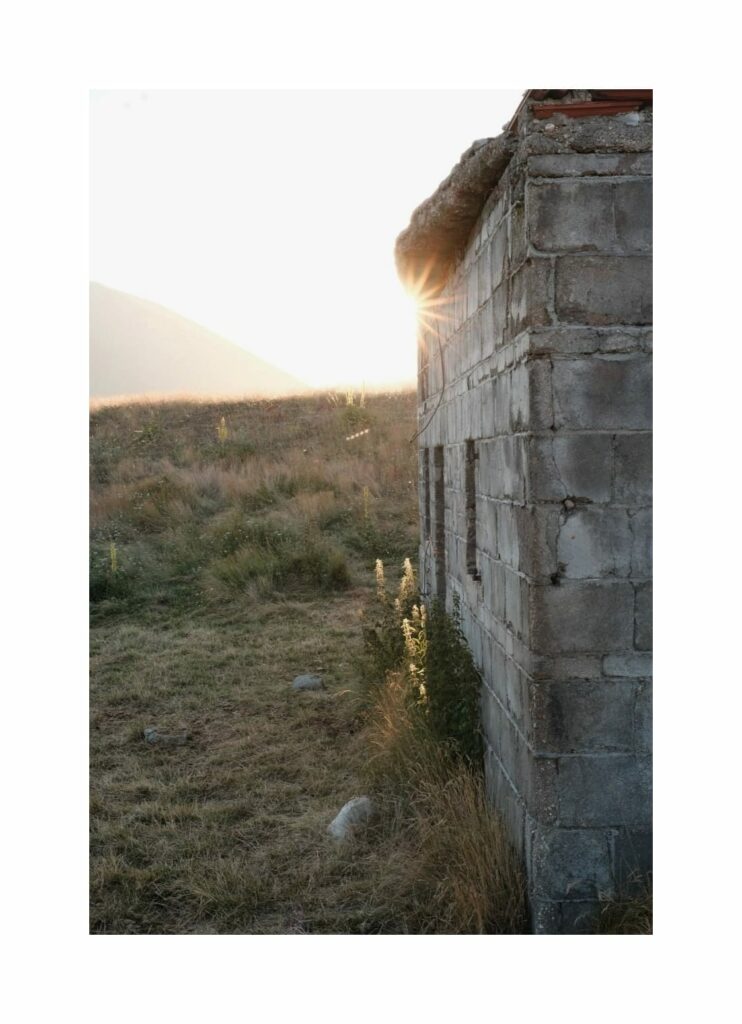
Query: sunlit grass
{"x": 239, "y": 563}
{"x": 181, "y": 488}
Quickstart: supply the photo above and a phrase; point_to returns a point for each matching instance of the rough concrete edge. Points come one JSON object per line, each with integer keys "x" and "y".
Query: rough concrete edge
{"x": 440, "y": 226}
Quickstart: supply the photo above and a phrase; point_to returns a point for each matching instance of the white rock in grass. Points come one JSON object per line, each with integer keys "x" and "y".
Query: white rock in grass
{"x": 309, "y": 682}
{"x": 152, "y": 735}
{"x": 355, "y": 813}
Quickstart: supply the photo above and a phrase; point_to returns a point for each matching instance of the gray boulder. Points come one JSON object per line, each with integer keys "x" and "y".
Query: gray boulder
{"x": 353, "y": 815}
{"x": 308, "y": 682}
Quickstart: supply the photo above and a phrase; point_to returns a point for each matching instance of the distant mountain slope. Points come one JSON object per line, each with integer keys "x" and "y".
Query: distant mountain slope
{"x": 138, "y": 347}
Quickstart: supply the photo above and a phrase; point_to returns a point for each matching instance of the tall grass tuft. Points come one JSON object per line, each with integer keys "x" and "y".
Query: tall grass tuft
{"x": 455, "y": 871}
{"x": 452, "y": 682}
{"x": 428, "y": 646}
{"x": 629, "y": 913}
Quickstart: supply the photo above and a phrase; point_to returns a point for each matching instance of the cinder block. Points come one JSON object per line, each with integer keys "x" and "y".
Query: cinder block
{"x": 499, "y": 318}
{"x": 577, "y": 716}
{"x": 632, "y": 858}
{"x": 576, "y": 466}
{"x": 501, "y": 404}
{"x": 486, "y": 527}
{"x": 517, "y": 240}
{"x": 643, "y": 617}
{"x": 602, "y": 290}
{"x": 501, "y": 468}
{"x": 540, "y": 794}
{"x": 536, "y": 529}
{"x": 604, "y": 790}
{"x": 633, "y": 215}
{"x": 534, "y": 779}
{"x": 513, "y": 753}
{"x": 566, "y": 666}
{"x": 516, "y": 684}
{"x": 473, "y": 412}
{"x": 546, "y": 917}
{"x": 487, "y": 392}
{"x": 591, "y": 215}
{"x": 448, "y": 373}
{"x": 582, "y": 616}
{"x": 493, "y": 717}
{"x": 603, "y": 392}
{"x": 572, "y": 863}
{"x": 472, "y": 293}
{"x": 507, "y": 801}
{"x": 641, "y": 548}
{"x": 611, "y": 135}
{"x": 473, "y": 634}
{"x": 633, "y": 472}
{"x": 459, "y": 302}
{"x": 480, "y": 329}
{"x": 499, "y": 665}
{"x": 643, "y": 719}
{"x": 516, "y": 604}
{"x": 480, "y": 232}
{"x": 540, "y": 396}
{"x": 484, "y": 271}
{"x": 576, "y": 165}
{"x": 556, "y": 340}
{"x": 531, "y": 295}
{"x": 495, "y": 208}
{"x": 572, "y": 216}
{"x": 594, "y": 542}
{"x": 498, "y": 255}
{"x": 519, "y": 398}
{"x": 461, "y": 352}
{"x": 508, "y": 535}
{"x": 493, "y": 588}
{"x": 628, "y": 666}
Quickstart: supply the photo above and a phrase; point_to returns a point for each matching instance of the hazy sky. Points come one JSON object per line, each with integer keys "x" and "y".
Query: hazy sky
{"x": 270, "y": 217}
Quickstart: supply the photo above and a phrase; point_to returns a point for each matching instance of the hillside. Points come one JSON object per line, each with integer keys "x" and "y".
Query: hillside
{"x": 140, "y": 348}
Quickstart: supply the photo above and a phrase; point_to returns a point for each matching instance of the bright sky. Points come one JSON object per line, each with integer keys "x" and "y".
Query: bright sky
{"x": 270, "y": 216}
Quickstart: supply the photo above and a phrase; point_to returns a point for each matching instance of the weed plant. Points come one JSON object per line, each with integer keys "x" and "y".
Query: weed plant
{"x": 452, "y": 869}
{"x": 430, "y": 650}
{"x": 629, "y": 912}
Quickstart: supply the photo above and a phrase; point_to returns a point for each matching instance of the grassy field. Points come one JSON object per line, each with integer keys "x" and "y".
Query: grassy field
{"x": 232, "y": 547}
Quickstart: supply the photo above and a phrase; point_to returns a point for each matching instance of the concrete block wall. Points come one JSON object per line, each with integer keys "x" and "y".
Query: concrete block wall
{"x": 542, "y": 358}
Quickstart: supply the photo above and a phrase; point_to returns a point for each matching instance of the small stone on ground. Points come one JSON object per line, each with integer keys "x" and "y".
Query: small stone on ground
{"x": 308, "y": 682}
{"x": 152, "y": 735}
{"x": 355, "y": 813}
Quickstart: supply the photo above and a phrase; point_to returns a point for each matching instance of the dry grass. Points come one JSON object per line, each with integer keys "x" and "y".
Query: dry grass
{"x": 221, "y": 567}
{"x": 228, "y": 833}
{"x": 208, "y": 502}
{"x": 629, "y": 913}
{"x": 451, "y": 869}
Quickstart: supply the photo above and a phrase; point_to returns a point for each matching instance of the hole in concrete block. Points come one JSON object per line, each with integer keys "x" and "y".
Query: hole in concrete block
{"x": 439, "y": 540}
{"x": 471, "y": 510}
